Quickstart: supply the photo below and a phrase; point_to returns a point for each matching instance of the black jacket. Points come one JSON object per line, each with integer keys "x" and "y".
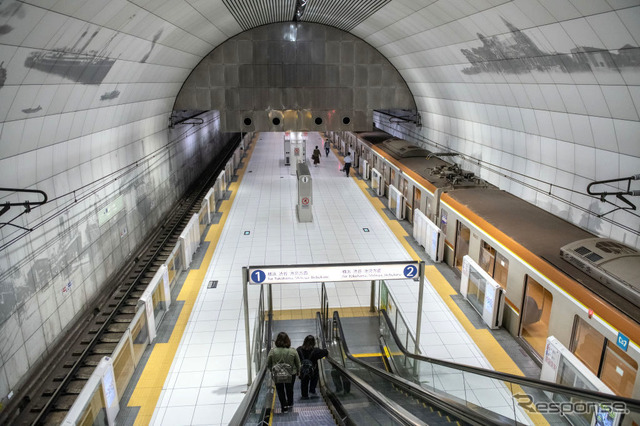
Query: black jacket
{"x": 314, "y": 354}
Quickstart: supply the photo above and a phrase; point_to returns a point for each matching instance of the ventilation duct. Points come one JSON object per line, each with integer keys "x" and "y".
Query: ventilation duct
{"x": 612, "y": 263}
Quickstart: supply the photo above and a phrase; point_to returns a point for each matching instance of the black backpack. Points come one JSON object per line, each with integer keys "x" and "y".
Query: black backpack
{"x": 307, "y": 369}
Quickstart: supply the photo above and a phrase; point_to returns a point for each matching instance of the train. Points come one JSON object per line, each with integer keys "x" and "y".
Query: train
{"x": 555, "y": 279}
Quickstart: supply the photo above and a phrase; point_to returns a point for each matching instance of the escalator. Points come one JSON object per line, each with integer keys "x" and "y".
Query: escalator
{"x": 357, "y": 403}
{"x": 383, "y": 383}
{"x": 372, "y": 368}
{"x": 524, "y": 400}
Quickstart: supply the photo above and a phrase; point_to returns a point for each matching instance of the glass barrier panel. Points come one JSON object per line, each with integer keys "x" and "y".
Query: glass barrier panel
{"x": 257, "y": 411}
{"x": 139, "y": 334}
{"x": 174, "y": 264}
{"x": 95, "y": 413}
{"x": 203, "y": 220}
{"x": 159, "y": 303}
{"x": 123, "y": 363}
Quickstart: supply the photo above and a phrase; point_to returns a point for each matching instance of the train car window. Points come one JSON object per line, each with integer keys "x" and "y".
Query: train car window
{"x": 618, "y": 370}
{"x": 487, "y": 258}
{"x": 443, "y": 221}
{"x": 463, "y": 235}
{"x": 587, "y": 344}
{"x": 536, "y": 310}
{"x": 494, "y": 264}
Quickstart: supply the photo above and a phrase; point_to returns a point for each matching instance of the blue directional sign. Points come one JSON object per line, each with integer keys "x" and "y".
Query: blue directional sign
{"x": 258, "y": 276}
{"x": 623, "y": 341}
{"x": 410, "y": 271}
{"x": 271, "y": 274}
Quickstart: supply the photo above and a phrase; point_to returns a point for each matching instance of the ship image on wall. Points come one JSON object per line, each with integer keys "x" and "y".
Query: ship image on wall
{"x": 87, "y": 67}
{"x": 516, "y": 53}
{"x": 3, "y": 74}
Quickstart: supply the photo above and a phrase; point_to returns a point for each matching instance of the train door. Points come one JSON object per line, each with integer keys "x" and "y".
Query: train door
{"x": 534, "y": 320}
{"x": 417, "y": 196}
{"x": 463, "y": 235}
{"x": 356, "y": 156}
{"x": 385, "y": 178}
{"x": 408, "y": 200}
{"x": 392, "y": 180}
{"x": 611, "y": 364}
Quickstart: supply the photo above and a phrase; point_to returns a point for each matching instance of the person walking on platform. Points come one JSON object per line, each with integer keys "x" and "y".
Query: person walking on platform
{"x": 316, "y": 156}
{"x": 327, "y": 147}
{"x": 347, "y": 163}
{"x": 309, "y": 356}
{"x": 284, "y": 360}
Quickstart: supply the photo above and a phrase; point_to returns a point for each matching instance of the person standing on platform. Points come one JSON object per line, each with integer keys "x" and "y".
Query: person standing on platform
{"x": 309, "y": 356}
{"x": 316, "y": 156}
{"x": 327, "y": 147}
{"x": 347, "y": 163}
{"x": 283, "y": 353}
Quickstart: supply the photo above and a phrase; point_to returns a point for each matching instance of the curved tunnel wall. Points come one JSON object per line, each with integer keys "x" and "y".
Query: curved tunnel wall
{"x": 295, "y": 73}
{"x": 546, "y": 128}
{"x": 540, "y": 98}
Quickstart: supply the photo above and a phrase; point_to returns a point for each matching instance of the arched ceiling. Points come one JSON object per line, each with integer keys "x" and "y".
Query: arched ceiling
{"x": 546, "y": 92}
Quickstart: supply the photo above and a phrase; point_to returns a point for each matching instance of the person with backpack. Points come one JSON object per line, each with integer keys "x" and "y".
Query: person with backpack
{"x": 309, "y": 356}
{"x": 284, "y": 364}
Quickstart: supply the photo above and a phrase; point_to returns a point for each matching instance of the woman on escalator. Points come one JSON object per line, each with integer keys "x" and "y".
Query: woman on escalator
{"x": 280, "y": 359}
{"x": 309, "y": 356}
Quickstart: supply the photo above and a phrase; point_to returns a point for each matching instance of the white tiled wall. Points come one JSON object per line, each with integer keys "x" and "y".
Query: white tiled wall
{"x": 564, "y": 126}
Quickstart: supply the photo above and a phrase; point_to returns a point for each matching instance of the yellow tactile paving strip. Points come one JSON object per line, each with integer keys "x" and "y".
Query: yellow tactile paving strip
{"x": 488, "y": 345}
{"x": 149, "y": 386}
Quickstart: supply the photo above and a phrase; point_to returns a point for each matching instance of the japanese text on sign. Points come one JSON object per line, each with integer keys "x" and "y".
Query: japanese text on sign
{"x": 332, "y": 273}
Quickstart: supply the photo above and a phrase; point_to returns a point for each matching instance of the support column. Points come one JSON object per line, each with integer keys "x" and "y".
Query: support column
{"x": 372, "y": 307}
{"x": 420, "y": 297}
{"x": 245, "y": 296}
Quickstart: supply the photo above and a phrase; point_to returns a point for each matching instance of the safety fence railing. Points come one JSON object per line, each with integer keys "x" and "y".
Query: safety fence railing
{"x": 521, "y": 399}
{"x": 102, "y": 392}
{"x": 396, "y": 317}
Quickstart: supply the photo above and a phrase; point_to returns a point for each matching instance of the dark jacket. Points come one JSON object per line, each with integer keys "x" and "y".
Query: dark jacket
{"x": 314, "y": 354}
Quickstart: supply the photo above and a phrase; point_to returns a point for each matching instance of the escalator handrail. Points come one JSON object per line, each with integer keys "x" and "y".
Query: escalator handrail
{"x": 398, "y": 413}
{"x": 243, "y": 410}
{"x": 441, "y": 402}
{"x": 507, "y": 377}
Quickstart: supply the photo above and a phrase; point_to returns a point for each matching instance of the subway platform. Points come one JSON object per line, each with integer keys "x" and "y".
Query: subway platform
{"x": 195, "y": 373}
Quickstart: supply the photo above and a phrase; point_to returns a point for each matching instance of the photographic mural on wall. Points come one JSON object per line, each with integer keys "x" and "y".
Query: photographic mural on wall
{"x": 3, "y": 74}
{"x": 13, "y": 9}
{"x": 75, "y": 62}
{"x": 516, "y": 53}
{"x": 153, "y": 45}
{"x": 110, "y": 95}
{"x": 32, "y": 110}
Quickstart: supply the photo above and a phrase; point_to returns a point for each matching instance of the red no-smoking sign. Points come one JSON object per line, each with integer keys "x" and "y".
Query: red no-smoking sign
{"x": 305, "y": 201}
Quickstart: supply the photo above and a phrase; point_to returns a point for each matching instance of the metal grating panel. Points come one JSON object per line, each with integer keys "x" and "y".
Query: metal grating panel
{"x": 341, "y": 14}
{"x": 252, "y": 13}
